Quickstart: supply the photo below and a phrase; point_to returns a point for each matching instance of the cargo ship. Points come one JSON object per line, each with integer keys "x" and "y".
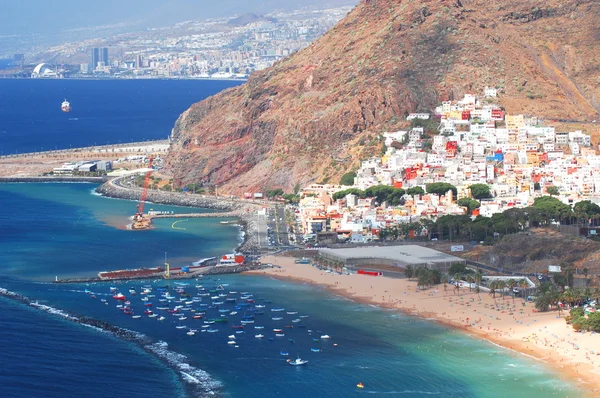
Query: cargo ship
{"x": 66, "y": 106}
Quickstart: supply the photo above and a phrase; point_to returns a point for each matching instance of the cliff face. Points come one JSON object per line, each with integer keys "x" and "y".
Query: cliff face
{"x": 314, "y": 115}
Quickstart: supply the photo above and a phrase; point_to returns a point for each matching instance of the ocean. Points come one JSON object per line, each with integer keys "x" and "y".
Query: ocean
{"x": 102, "y": 111}
{"x": 65, "y": 230}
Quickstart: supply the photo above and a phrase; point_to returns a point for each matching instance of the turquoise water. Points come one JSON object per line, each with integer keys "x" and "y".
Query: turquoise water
{"x": 65, "y": 230}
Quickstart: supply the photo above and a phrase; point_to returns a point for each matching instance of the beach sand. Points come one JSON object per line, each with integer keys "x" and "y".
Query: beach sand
{"x": 509, "y": 323}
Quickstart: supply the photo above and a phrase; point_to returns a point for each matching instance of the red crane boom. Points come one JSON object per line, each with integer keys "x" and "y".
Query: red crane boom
{"x": 140, "y": 206}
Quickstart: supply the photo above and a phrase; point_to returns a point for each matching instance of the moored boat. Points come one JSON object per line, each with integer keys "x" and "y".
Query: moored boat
{"x": 297, "y": 362}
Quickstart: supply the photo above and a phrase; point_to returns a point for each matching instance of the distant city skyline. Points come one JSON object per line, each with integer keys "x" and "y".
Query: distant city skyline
{"x": 30, "y": 24}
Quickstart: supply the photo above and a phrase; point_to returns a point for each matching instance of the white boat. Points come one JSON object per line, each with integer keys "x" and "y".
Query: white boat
{"x": 297, "y": 362}
{"x": 162, "y": 318}
{"x": 180, "y": 327}
{"x": 295, "y": 320}
{"x": 190, "y": 333}
{"x": 233, "y": 313}
{"x": 182, "y": 318}
{"x": 325, "y": 336}
{"x": 292, "y": 312}
{"x": 231, "y": 342}
{"x": 212, "y": 330}
{"x": 259, "y": 336}
{"x": 279, "y": 334}
{"x": 65, "y": 106}
{"x": 136, "y": 316}
{"x": 152, "y": 315}
{"x": 259, "y": 327}
{"x": 231, "y": 337}
{"x": 260, "y": 306}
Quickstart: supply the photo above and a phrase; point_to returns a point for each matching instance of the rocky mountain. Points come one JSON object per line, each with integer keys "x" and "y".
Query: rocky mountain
{"x": 314, "y": 115}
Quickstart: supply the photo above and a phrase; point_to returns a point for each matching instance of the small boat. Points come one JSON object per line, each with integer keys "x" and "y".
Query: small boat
{"x": 295, "y": 320}
{"x": 278, "y": 330}
{"x": 260, "y": 306}
{"x": 303, "y": 316}
{"x": 259, "y": 327}
{"x": 297, "y": 362}
{"x": 145, "y": 298}
{"x": 103, "y": 300}
{"x": 284, "y": 353}
{"x": 231, "y": 336}
{"x": 162, "y": 318}
{"x": 198, "y": 316}
{"x": 120, "y": 296}
{"x": 315, "y": 349}
{"x": 277, "y": 318}
{"x": 277, "y": 309}
{"x": 231, "y": 342}
{"x": 190, "y": 333}
{"x": 292, "y": 312}
{"x": 360, "y": 385}
{"x": 180, "y": 327}
{"x": 132, "y": 291}
{"x": 148, "y": 304}
{"x": 136, "y": 316}
{"x": 113, "y": 289}
{"x": 152, "y": 315}
{"x": 259, "y": 336}
{"x": 182, "y": 318}
{"x": 65, "y": 106}
{"x": 246, "y": 322}
{"x": 325, "y": 336}
{"x": 212, "y": 330}
{"x": 279, "y": 335}
{"x": 233, "y": 313}
{"x": 87, "y": 291}
{"x": 148, "y": 312}
{"x": 239, "y": 331}
{"x": 209, "y": 322}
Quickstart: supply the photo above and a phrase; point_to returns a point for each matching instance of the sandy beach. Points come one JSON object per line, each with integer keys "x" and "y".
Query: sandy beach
{"x": 509, "y": 323}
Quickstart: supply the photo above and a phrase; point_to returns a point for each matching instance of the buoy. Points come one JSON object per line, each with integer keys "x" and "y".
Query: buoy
{"x": 360, "y": 385}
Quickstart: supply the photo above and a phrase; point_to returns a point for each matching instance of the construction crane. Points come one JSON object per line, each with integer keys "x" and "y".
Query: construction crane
{"x": 139, "y": 222}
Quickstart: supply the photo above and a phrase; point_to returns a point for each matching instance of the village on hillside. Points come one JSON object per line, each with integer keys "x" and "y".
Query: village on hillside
{"x": 481, "y": 162}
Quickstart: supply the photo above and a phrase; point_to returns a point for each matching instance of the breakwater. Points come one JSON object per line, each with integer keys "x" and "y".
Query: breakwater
{"x": 197, "y": 382}
{"x": 244, "y": 210}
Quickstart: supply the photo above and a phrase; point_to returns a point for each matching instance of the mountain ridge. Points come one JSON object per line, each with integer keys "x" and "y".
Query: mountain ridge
{"x": 314, "y": 115}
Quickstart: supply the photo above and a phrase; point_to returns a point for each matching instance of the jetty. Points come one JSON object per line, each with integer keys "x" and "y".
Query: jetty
{"x": 194, "y": 215}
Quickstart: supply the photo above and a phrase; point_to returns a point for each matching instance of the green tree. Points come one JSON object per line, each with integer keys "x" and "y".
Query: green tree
{"x": 469, "y": 203}
{"x": 586, "y": 209}
{"x": 440, "y": 188}
{"x": 480, "y": 191}
{"x": 415, "y": 191}
{"x": 409, "y": 272}
{"x": 273, "y": 193}
{"x": 552, "y": 190}
{"x": 457, "y": 269}
{"x": 348, "y": 178}
{"x": 353, "y": 191}
{"x": 511, "y": 284}
{"x": 291, "y": 198}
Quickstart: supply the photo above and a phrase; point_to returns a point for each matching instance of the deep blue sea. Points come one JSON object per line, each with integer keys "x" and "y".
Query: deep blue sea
{"x": 103, "y": 111}
{"x": 60, "y": 230}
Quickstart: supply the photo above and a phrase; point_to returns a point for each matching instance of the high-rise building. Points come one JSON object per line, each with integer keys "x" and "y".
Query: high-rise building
{"x": 139, "y": 61}
{"x": 99, "y": 55}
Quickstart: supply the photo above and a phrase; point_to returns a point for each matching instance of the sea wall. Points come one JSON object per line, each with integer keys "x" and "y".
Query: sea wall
{"x": 113, "y": 189}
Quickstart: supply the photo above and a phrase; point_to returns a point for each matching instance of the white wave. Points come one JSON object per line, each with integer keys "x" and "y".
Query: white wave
{"x": 190, "y": 374}
{"x": 53, "y": 311}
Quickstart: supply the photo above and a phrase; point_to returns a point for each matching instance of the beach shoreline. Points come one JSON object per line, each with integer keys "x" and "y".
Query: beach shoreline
{"x": 510, "y": 324}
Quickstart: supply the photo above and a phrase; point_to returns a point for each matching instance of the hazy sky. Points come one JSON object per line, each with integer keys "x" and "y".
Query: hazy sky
{"x": 50, "y": 16}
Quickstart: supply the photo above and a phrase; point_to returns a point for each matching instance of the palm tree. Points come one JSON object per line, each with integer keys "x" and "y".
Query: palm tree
{"x": 470, "y": 280}
{"x": 511, "y": 284}
{"x": 492, "y": 286}
{"x": 524, "y": 285}
{"x": 457, "y": 278}
{"x": 501, "y": 285}
{"x": 478, "y": 277}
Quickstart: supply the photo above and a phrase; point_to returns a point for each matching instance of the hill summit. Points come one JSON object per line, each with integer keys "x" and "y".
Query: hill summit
{"x": 312, "y": 116}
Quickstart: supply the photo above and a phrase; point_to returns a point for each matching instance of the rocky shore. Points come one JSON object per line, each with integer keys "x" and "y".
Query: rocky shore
{"x": 245, "y": 211}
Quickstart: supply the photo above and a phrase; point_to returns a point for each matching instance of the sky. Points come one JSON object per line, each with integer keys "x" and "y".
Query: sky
{"x": 26, "y": 17}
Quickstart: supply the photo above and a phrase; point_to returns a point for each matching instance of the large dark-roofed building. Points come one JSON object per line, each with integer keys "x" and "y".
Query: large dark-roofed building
{"x": 394, "y": 256}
